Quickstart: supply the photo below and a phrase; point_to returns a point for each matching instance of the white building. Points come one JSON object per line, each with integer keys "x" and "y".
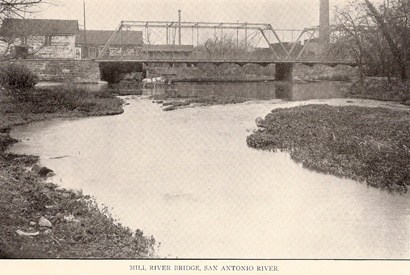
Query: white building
{"x": 39, "y": 38}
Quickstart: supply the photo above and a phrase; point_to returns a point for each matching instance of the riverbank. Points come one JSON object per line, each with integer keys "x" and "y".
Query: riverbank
{"x": 174, "y": 102}
{"x": 370, "y": 145}
{"x": 381, "y": 89}
{"x": 42, "y": 220}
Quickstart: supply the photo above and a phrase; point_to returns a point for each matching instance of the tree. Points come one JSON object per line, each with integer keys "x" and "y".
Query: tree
{"x": 225, "y": 47}
{"x": 377, "y": 38}
{"x": 395, "y": 28}
{"x": 19, "y": 8}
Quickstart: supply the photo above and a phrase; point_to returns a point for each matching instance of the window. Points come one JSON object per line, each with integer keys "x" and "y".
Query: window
{"x": 130, "y": 51}
{"x": 92, "y": 52}
{"x": 115, "y": 51}
{"x": 48, "y": 40}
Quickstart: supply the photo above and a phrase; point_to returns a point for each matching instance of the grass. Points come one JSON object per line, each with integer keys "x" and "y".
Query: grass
{"x": 25, "y": 197}
{"x": 371, "y": 145}
{"x": 173, "y": 102}
{"x": 382, "y": 90}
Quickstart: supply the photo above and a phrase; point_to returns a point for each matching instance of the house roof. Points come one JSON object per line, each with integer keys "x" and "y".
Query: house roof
{"x": 96, "y": 37}
{"x": 27, "y": 27}
{"x": 168, "y": 48}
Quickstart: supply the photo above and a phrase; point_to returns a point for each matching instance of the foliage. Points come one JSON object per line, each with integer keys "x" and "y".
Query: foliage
{"x": 16, "y": 76}
{"x": 382, "y": 90}
{"x": 19, "y": 8}
{"x": 346, "y": 141}
{"x": 175, "y": 101}
{"x": 61, "y": 101}
{"x": 224, "y": 47}
{"x": 112, "y": 72}
{"x": 377, "y": 38}
{"x": 93, "y": 234}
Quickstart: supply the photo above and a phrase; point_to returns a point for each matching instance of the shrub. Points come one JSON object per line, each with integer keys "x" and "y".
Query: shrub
{"x": 16, "y": 76}
{"x": 382, "y": 90}
{"x": 335, "y": 77}
{"x": 64, "y": 100}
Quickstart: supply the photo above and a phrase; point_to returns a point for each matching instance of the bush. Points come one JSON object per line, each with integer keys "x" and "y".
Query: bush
{"x": 335, "y": 77}
{"x": 15, "y": 76}
{"x": 382, "y": 90}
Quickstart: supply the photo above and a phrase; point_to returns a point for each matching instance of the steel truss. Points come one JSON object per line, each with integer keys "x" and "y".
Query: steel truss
{"x": 290, "y": 52}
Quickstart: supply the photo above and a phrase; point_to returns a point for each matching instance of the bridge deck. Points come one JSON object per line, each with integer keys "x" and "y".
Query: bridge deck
{"x": 236, "y": 61}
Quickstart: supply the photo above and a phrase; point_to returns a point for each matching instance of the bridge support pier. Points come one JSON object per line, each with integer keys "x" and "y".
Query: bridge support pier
{"x": 284, "y": 71}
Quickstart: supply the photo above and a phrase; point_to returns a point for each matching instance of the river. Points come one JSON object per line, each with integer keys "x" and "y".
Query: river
{"x": 188, "y": 178}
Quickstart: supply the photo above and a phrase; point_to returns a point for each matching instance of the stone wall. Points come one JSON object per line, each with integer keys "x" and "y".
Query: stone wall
{"x": 62, "y": 70}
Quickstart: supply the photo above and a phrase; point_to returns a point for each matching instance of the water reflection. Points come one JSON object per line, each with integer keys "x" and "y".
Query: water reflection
{"x": 286, "y": 90}
{"x": 289, "y": 91}
{"x": 91, "y": 87}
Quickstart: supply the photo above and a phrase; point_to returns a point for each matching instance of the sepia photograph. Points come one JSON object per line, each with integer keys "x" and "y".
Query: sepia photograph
{"x": 205, "y": 135}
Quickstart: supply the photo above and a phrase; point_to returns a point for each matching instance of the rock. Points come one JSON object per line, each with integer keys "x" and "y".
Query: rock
{"x": 76, "y": 192}
{"x": 44, "y": 171}
{"x": 259, "y": 122}
{"x": 44, "y": 222}
{"x": 131, "y": 76}
{"x": 70, "y": 218}
{"x": 50, "y": 185}
{"x": 22, "y": 233}
{"x": 59, "y": 216}
{"x": 47, "y": 232}
{"x": 33, "y": 223}
{"x": 60, "y": 189}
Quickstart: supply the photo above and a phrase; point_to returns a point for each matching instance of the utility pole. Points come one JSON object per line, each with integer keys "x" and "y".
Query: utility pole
{"x": 179, "y": 27}
{"x": 85, "y": 32}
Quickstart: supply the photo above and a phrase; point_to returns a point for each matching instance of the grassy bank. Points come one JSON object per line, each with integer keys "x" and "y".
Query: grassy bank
{"x": 225, "y": 79}
{"x": 75, "y": 227}
{"x": 379, "y": 89}
{"x": 371, "y": 145}
{"x": 171, "y": 102}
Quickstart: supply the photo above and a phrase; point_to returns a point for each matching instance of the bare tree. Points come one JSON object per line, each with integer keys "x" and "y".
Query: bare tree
{"x": 20, "y": 8}
{"x": 395, "y": 27}
{"x": 224, "y": 47}
{"x": 349, "y": 39}
{"x": 377, "y": 38}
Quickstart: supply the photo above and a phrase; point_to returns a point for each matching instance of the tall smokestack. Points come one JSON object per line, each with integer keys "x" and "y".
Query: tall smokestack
{"x": 324, "y": 25}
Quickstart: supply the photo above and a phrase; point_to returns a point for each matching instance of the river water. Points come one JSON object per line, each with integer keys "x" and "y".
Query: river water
{"x": 188, "y": 178}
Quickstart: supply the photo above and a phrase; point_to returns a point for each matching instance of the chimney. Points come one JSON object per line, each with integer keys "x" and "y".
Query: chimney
{"x": 324, "y": 24}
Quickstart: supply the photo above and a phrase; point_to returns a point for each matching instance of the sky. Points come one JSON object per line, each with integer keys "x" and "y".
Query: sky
{"x": 107, "y": 14}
